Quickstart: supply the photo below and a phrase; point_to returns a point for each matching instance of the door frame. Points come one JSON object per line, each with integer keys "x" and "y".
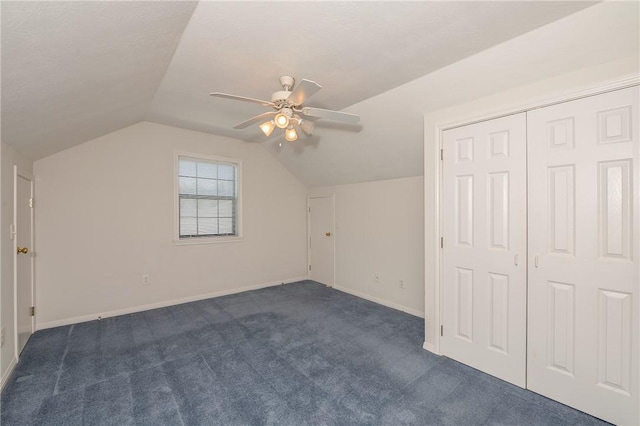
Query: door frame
{"x": 433, "y": 160}
{"x": 14, "y": 228}
{"x": 332, "y": 196}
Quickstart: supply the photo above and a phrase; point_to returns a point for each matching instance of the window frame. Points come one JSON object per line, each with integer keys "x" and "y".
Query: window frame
{"x": 176, "y": 200}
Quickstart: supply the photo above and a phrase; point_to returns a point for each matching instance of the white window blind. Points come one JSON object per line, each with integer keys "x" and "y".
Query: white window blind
{"x": 208, "y": 198}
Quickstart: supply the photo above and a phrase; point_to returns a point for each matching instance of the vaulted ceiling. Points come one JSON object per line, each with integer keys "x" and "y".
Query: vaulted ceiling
{"x": 73, "y": 71}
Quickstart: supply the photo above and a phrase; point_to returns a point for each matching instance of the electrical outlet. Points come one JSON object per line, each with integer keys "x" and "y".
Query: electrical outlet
{"x": 146, "y": 280}
{"x": 376, "y": 277}
{"x": 401, "y": 283}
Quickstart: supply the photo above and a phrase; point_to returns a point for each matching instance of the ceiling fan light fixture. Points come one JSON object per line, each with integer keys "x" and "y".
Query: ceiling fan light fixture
{"x": 267, "y": 127}
{"x": 282, "y": 118}
{"x": 290, "y": 134}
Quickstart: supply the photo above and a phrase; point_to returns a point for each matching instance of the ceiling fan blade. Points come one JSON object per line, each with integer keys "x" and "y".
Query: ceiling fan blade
{"x": 331, "y": 115}
{"x": 254, "y": 120}
{"x": 241, "y": 98}
{"x": 304, "y": 90}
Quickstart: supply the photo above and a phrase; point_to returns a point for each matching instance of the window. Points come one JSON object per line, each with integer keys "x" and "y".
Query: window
{"x": 208, "y": 198}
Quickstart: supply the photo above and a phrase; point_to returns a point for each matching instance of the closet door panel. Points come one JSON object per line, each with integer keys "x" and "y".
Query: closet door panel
{"x": 583, "y": 288}
{"x": 484, "y": 257}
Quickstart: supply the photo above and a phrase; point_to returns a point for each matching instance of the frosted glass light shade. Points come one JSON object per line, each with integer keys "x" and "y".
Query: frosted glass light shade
{"x": 267, "y": 127}
{"x": 290, "y": 135}
{"x": 282, "y": 120}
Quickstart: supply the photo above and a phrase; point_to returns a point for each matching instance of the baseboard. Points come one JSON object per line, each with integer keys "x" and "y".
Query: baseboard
{"x": 7, "y": 374}
{"x": 163, "y": 304}
{"x": 430, "y": 347}
{"x": 379, "y": 301}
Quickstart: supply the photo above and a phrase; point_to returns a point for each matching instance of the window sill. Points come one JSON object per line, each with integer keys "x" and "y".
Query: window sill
{"x": 210, "y": 240}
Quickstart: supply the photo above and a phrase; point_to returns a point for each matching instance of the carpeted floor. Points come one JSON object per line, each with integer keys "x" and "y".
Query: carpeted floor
{"x": 292, "y": 355}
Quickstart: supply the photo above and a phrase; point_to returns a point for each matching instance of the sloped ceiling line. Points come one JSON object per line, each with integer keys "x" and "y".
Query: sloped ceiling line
{"x": 74, "y": 71}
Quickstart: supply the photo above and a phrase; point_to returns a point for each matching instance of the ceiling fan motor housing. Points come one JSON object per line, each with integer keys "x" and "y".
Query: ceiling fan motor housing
{"x": 282, "y": 95}
{"x": 280, "y": 98}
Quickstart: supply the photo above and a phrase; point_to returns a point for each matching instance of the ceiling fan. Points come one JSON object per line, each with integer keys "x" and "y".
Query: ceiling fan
{"x": 288, "y": 110}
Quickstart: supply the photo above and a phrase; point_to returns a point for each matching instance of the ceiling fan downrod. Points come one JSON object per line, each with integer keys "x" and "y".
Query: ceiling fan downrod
{"x": 287, "y": 82}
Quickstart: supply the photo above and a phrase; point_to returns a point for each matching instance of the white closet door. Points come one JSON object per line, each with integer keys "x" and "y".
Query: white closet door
{"x": 484, "y": 257}
{"x": 583, "y": 254}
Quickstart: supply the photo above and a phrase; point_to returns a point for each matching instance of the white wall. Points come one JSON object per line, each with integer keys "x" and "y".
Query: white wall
{"x": 380, "y": 229}
{"x": 104, "y": 217}
{"x": 8, "y": 158}
{"x": 495, "y": 104}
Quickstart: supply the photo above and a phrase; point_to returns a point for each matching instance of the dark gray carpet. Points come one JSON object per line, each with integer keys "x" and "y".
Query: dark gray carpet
{"x": 292, "y": 355}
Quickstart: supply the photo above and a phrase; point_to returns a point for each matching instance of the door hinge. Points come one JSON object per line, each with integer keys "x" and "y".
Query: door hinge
{"x": 441, "y": 154}
{"x": 441, "y": 242}
{"x": 309, "y": 209}
{"x": 442, "y": 330}
{"x": 32, "y": 311}
{"x": 31, "y": 202}
{"x": 309, "y": 267}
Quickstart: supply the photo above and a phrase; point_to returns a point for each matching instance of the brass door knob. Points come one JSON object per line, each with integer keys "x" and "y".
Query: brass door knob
{"x": 328, "y": 234}
{"x": 23, "y": 250}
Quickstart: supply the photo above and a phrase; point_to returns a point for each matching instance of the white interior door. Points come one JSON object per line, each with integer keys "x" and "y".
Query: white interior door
{"x": 484, "y": 247}
{"x": 23, "y": 221}
{"x": 583, "y": 268}
{"x": 321, "y": 238}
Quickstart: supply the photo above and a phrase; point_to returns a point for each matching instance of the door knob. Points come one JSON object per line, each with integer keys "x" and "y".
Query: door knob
{"x": 23, "y": 250}
{"x": 328, "y": 234}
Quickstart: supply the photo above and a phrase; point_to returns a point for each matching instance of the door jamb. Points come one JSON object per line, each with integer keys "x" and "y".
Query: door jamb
{"x": 16, "y": 175}
{"x": 438, "y": 128}
{"x": 333, "y": 233}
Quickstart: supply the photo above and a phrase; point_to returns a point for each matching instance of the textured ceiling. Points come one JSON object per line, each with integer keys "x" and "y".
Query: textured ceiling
{"x": 73, "y": 71}
{"x": 605, "y": 39}
{"x": 355, "y": 50}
